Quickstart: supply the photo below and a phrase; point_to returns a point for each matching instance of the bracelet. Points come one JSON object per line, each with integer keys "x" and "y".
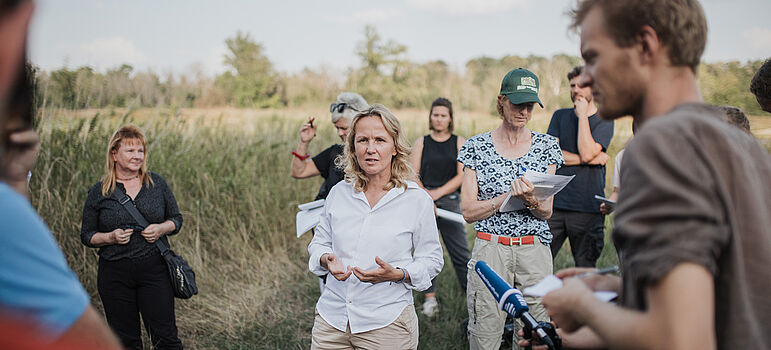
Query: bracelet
{"x": 531, "y": 207}
{"x": 294, "y": 153}
{"x": 405, "y": 274}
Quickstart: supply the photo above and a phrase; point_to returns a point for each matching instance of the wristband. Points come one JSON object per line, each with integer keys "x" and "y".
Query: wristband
{"x": 405, "y": 274}
{"x": 294, "y": 153}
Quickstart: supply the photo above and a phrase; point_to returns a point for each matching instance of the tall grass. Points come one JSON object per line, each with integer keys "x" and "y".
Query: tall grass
{"x": 229, "y": 170}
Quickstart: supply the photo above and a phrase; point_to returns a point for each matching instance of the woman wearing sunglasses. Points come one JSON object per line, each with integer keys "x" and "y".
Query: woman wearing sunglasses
{"x": 347, "y": 105}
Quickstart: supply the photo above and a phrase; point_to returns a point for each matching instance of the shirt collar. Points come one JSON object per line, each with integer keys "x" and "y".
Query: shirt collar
{"x": 392, "y": 193}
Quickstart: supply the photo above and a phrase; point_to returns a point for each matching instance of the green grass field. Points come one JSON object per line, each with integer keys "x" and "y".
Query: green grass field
{"x": 229, "y": 169}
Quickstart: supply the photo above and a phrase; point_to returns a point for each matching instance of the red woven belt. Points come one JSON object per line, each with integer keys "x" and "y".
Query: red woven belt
{"x": 505, "y": 240}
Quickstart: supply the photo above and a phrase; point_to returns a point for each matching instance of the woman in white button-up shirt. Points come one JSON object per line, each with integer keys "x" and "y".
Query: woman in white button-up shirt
{"x": 378, "y": 238}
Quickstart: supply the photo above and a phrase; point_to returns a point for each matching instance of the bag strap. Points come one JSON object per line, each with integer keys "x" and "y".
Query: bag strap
{"x": 127, "y": 203}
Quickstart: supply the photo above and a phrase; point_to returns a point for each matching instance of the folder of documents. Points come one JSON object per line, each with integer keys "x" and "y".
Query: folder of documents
{"x": 308, "y": 216}
{"x": 546, "y": 185}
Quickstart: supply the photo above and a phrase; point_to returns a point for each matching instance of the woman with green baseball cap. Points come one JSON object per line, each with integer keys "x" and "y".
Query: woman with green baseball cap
{"x": 514, "y": 243}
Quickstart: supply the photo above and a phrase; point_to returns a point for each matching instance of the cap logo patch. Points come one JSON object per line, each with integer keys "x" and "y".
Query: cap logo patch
{"x": 529, "y": 81}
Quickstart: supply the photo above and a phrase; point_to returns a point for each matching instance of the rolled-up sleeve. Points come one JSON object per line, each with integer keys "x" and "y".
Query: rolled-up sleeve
{"x": 427, "y": 258}
{"x": 321, "y": 242}
{"x": 90, "y": 220}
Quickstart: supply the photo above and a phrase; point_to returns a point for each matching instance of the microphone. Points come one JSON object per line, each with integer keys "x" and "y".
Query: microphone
{"x": 511, "y": 300}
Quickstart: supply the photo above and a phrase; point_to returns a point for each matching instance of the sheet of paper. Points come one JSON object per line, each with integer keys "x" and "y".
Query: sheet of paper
{"x": 545, "y": 185}
{"x": 449, "y": 215}
{"x": 605, "y": 200}
{"x": 311, "y": 205}
{"x": 307, "y": 219}
{"x": 551, "y": 282}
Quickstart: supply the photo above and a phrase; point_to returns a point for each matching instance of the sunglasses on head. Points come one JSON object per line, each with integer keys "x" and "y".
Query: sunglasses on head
{"x": 339, "y": 107}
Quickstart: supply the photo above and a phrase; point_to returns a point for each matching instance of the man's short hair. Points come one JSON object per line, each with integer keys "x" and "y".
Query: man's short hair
{"x": 735, "y": 116}
{"x": 576, "y": 71}
{"x": 680, "y": 24}
{"x": 761, "y": 82}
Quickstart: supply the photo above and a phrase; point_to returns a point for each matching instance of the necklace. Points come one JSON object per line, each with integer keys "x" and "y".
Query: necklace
{"x": 127, "y": 179}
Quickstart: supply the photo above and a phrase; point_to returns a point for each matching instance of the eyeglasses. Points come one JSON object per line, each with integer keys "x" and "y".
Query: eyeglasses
{"x": 339, "y": 107}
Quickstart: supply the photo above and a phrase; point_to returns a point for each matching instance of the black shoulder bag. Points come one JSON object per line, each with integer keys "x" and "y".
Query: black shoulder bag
{"x": 182, "y": 276}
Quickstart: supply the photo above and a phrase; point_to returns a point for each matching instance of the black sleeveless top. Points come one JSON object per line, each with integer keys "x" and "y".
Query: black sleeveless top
{"x": 438, "y": 163}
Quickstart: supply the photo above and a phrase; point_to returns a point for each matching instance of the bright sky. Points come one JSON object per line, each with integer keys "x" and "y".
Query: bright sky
{"x": 176, "y": 35}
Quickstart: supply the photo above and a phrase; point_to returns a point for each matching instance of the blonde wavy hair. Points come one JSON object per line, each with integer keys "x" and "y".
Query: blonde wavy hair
{"x": 401, "y": 170}
{"x": 126, "y": 132}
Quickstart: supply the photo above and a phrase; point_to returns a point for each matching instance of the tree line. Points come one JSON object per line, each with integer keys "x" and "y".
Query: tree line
{"x": 383, "y": 74}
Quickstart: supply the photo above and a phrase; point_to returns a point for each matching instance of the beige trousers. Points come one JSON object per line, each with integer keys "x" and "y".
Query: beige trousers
{"x": 521, "y": 266}
{"x": 401, "y": 334}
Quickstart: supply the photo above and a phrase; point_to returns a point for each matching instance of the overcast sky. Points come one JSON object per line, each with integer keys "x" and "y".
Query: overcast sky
{"x": 176, "y": 35}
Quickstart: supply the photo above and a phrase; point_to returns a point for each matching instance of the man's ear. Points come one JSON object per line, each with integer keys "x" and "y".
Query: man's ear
{"x": 649, "y": 45}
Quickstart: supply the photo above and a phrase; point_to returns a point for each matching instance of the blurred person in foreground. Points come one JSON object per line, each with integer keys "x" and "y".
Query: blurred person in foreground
{"x": 133, "y": 277}
{"x": 693, "y": 216}
{"x": 760, "y": 86}
{"x": 378, "y": 238}
{"x": 584, "y": 139}
{"x": 515, "y": 243}
{"x": 434, "y": 158}
{"x": 733, "y": 115}
{"x": 39, "y": 293}
{"x": 304, "y": 166}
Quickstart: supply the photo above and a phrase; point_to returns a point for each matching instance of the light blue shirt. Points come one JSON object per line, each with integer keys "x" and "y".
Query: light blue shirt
{"x": 35, "y": 280}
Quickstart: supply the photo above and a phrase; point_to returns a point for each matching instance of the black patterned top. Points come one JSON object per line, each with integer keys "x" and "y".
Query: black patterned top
{"x": 495, "y": 174}
{"x": 104, "y": 214}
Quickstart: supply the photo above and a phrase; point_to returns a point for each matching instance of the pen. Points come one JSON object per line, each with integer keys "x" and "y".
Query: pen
{"x": 602, "y": 271}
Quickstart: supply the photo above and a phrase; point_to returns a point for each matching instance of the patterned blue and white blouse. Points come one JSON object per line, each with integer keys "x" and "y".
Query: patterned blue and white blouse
{"x": 494, "y": 176}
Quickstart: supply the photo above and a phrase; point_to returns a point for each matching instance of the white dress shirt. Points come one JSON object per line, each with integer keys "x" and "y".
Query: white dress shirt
{"x": 400, "y": 229}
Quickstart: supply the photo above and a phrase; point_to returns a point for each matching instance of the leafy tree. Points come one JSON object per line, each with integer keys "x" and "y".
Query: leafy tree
{"x": 63, "y": 87}
{"x": 251, "y": 80}
{"x": 383, "y": 71}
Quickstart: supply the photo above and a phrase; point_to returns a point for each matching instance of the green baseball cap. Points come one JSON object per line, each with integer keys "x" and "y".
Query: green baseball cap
{"x": 521, "y": 86}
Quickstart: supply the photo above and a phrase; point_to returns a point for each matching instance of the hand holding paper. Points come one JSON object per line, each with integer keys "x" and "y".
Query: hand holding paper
{"x": 545, "y": 185}
{"x": 552, "y": 282}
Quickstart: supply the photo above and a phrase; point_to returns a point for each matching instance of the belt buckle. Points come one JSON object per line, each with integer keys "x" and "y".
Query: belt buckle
{"x": 511, "y": 241}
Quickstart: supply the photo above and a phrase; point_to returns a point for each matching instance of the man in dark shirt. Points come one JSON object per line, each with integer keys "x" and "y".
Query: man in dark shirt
{"x": 692, "y": 223}
{"x": 584, "y": 140}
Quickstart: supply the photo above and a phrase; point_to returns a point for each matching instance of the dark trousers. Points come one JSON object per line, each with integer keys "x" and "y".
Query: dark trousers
{"x": 454, "y": 237}
{"x": 586, "y": 232}
{"x": 129, "y": 287}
